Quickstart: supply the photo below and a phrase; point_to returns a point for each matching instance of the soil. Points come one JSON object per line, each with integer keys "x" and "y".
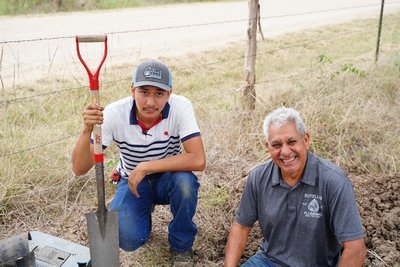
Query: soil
{"x": 378, "y": 199}
{"x": 379, "y": 204}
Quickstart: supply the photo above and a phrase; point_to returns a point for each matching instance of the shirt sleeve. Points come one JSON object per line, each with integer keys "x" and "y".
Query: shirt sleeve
{"x": 188, "y": 127}
{"x": 345, "y": 218}
{"x": 247, "y": 212}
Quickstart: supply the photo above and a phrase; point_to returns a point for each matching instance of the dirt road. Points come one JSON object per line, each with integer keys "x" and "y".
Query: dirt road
{"x": 35, "y": 47}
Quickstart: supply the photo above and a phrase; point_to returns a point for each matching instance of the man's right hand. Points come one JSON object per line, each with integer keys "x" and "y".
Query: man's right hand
{"x": 82, "y": 154}
{"x": 92, "y": 114}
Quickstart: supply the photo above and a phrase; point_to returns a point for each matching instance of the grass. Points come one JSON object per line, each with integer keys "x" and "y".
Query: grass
{"x": 350, "y": 105}
{"x": 23, "y": 7}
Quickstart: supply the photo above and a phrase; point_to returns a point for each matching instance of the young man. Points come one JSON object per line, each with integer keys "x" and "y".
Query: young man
{"x": 305, "y": 205}
{"x": 160, "y": 145}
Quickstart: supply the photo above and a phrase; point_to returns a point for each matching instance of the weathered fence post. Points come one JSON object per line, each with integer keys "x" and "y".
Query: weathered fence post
{"x": 379, "y": 31}
{"x": 248, "y": 98}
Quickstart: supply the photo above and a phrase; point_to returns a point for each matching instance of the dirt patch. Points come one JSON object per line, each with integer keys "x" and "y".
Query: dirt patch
{"x": 379, "y": 204}
{"x": 378, "y": 198}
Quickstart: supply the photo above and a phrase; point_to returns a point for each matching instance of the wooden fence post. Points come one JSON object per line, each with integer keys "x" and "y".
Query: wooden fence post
{"x": 248, "y": 98}
{"x": 379, "y": 31}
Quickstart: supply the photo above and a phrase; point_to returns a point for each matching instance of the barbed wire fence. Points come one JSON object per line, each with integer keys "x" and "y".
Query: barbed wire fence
{"x": 8, "y": 98}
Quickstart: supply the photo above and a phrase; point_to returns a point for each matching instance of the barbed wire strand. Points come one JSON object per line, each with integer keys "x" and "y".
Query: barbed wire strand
{"x": 206, "y": 64}
{"x": 261, "y": 101}
{"x": 35, "y": 147}
{"x": 197, "y": 24}
{"x": 9, "y": 101}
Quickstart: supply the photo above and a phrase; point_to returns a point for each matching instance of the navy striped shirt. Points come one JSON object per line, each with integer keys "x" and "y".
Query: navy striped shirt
{"x": 163, "y": 140}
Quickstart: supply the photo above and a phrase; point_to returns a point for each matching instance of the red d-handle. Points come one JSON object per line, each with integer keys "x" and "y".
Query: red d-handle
{"x": 93, "y": 78}
{"x": 94, "y": 89}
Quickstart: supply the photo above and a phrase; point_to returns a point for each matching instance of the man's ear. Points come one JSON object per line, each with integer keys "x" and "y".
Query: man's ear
{"x": 307, "y": 139}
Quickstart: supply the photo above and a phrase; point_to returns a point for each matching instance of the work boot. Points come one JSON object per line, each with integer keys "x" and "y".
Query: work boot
{"x": 182, "y": 259}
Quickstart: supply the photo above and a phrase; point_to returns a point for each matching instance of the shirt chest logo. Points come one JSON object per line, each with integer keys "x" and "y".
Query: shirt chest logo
{"x": 313, "y": 208}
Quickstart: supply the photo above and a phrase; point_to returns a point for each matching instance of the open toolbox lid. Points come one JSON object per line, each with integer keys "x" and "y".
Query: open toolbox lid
{"x": 38, "y": 249}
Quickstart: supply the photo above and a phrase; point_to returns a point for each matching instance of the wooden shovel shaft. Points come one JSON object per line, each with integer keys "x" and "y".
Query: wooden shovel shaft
{"x": 97, "y": 139}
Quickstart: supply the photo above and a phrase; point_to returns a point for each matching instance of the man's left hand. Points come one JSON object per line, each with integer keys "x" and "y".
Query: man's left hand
{"x": 135, "y": 177}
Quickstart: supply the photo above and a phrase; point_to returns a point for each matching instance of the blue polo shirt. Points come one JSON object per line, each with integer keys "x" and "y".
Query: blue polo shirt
{"x": 304, "y": 225}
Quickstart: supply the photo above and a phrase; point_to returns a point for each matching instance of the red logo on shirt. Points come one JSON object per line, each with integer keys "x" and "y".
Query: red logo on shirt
{"x": 97, "y": 139}
{"x": 166, "y": 133}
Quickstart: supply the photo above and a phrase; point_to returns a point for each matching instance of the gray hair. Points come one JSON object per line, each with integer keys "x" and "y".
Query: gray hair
{"x": 282, "y": 116}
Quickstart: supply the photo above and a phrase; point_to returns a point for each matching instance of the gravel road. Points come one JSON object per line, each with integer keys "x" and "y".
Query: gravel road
{"x": 38, "y": 46}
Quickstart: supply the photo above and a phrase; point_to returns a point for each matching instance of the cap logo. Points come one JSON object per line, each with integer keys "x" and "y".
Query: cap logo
{"x": 151, "y": 72}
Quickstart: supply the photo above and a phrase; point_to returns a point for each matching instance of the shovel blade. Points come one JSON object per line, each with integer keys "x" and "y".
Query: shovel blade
{"x": 103, "y": 239}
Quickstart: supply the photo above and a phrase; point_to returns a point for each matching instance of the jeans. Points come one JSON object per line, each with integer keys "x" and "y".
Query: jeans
{"x": 257, "y": 260}
{"x": 177, "y": 189}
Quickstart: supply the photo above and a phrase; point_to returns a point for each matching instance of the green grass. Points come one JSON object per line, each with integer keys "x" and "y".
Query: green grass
{"x": 23, "y": 7}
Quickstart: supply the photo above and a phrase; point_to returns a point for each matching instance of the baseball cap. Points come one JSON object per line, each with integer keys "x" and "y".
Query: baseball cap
{"x": 154, "y": 73}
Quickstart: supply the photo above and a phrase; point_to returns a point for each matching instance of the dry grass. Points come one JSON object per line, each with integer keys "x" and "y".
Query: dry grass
{"x": 350, "y": 105}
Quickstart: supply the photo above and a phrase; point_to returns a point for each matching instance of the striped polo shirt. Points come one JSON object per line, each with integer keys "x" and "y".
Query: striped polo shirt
{"x": 163, "y": 140}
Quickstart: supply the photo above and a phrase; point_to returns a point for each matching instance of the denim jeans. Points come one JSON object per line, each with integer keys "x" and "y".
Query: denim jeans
{"x": 177, "y": 189}
{"x": 258, "y": 260}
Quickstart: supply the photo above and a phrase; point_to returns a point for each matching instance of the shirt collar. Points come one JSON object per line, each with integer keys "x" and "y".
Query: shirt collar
{"x": 310, "y": 173}
{"x": 133, "y": 119}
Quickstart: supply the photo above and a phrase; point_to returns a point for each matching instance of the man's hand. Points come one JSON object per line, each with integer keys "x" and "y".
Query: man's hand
{"x": 82, "y": 154}
{"x": 92, "y": 115}
{"x": 135, "y": 177}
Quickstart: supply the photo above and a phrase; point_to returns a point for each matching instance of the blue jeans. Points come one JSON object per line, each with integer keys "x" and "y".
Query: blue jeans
{"x": 177, "y": 189}
{"x": 257, "y": 260}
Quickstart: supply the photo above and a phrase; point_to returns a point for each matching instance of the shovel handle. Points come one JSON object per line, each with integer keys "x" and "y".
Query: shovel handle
{"x": 95, "y": 99}
{"x": 91, "y": 38}
{"x": 98, "y": 159}
{"x": 93, "y": 77}
{"x": 94, "y": 87}
{"x": 97, "y": 136}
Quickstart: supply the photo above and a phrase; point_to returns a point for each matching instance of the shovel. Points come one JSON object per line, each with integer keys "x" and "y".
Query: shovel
{"x": 102, "y": 224}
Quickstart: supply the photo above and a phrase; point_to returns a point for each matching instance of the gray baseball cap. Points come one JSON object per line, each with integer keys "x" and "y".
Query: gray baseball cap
{"x": 154, "y": 73}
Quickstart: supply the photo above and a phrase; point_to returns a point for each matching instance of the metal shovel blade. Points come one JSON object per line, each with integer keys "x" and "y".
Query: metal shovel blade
{"x": 103, "y": 239}
{"x": 103, "y": 228}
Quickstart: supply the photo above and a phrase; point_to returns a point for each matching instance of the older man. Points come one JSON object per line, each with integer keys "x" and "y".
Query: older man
{"x": 305, "y": 205}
